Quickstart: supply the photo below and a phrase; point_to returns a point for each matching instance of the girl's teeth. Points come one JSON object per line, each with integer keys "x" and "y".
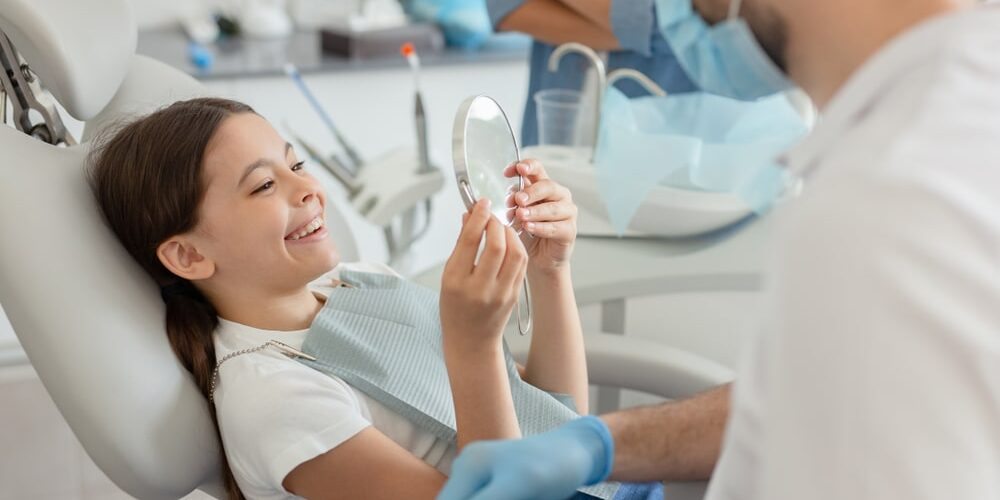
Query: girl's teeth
{"x": 312, "y": 227}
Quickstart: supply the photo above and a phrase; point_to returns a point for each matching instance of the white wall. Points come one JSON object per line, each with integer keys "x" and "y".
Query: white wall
{"x": 157, "y": 13}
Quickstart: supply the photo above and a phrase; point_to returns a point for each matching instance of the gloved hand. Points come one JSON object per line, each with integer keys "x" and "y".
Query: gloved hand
{"x": 545, "y": 466}
{"x": 465, "y": 23}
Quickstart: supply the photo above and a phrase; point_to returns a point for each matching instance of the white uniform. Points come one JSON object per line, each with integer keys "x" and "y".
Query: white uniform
{"x": 276, "y": 413}
{"x": 877, "y": 373}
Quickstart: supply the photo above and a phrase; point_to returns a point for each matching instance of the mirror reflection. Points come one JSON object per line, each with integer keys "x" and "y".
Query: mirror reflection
{"x": 489, "y": 148}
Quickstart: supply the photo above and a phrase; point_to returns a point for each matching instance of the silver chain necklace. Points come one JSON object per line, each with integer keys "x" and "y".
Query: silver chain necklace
{"x": 282, "y": 347}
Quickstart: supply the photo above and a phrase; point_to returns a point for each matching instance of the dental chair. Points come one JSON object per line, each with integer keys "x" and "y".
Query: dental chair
{"x": 89, "y": 319}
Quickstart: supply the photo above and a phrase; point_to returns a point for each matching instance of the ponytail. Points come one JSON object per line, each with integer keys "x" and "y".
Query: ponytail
{"x": 191, "y": 320}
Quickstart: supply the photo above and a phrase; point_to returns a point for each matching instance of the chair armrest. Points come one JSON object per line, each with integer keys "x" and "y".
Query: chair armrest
{"x": 647, "y": 366}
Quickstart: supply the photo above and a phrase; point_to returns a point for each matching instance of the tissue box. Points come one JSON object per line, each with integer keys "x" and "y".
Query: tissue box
{"x": 362, "y": 44}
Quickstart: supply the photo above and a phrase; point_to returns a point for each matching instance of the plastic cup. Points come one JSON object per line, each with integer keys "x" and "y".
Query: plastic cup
{"x": 563, "y": 118}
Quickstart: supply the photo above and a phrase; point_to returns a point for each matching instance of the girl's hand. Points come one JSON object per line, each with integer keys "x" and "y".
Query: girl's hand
{"x": 545, "y": 210}
{"x": 477, "y": 298}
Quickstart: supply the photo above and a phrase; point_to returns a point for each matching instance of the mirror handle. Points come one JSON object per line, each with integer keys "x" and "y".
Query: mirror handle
{"x": 470, "y": 200}
{"x": 525, "y": 328}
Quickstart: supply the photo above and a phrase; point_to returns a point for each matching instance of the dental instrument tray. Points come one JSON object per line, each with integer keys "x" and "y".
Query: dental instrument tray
{"x": 667, "y": 211}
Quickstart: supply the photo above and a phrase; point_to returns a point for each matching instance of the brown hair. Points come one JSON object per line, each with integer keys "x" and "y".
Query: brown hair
{"x": 147, "y": 176}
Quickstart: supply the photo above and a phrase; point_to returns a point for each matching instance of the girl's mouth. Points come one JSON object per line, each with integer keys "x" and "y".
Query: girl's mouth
{"x": 308, "y": 231}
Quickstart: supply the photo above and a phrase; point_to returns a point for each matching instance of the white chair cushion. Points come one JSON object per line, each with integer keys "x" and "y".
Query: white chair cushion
{"x": 91, "y": 323}
{"x": 81, "y": 50}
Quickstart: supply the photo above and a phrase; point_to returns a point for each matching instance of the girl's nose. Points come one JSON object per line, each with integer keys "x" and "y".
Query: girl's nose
{"x": 306, "y": 191}
{"x": 307, "y": 196}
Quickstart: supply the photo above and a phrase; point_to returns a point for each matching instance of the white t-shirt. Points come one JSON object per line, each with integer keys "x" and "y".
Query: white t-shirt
{"x": 276, "y": 413}
{"x": 877, "y": 372}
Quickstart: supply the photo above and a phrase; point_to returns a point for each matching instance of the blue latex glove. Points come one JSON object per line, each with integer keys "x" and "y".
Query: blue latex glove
{"x": 544, "y": 466}
{"x": 465, "y": 23}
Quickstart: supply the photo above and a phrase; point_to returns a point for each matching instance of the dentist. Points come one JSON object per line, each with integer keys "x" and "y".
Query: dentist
{"x": 877, "y": 371}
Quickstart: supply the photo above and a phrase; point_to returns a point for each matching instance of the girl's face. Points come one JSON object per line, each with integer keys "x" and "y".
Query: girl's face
{"x": 261, "y": 223}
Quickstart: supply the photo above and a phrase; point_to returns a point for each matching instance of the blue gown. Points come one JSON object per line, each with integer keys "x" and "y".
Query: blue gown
{"x": 643, "y": 49}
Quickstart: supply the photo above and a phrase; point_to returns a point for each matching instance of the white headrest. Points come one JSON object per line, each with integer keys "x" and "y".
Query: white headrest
{"x": 149, "y": 85}
{"x": 81, "y": 49}
{"x": 91, "y": 322}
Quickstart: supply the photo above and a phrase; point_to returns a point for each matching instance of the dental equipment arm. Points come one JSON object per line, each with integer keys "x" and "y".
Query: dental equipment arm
{"x": 26, "y": 95}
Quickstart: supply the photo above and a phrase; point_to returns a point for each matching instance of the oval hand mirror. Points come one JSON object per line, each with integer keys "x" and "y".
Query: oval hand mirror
{"x": 483, "y": 146}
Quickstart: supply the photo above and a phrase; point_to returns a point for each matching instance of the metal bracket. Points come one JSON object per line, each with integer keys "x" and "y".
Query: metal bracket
{"x": 26, "y": 95}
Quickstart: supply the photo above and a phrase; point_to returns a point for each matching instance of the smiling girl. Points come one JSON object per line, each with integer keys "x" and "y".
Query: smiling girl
{"x": 225, "y": 217}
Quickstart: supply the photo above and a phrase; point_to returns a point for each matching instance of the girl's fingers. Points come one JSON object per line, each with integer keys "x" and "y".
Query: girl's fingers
{"x": 543, "y": 190}
{"x": 563, "y": 230}
{"x": 473, "y": 225}
{"x": 532, "y": 170}
{"x": 547, "y": 212}
{"x": 493, "y": 252}
{"x": 515, "y": 261}
{"x": 514, "y": 169}
{"x": 511, "y": 170}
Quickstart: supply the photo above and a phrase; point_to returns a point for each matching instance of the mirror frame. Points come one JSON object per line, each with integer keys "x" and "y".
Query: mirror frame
{"x": 458, "y": 150}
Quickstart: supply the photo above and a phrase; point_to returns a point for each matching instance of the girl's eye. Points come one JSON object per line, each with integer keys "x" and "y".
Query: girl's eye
{"x": 264, "y": 187}
{"x": 298, "y": 166}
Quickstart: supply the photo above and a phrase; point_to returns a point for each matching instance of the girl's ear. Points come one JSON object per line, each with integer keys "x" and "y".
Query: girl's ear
{"x": 179, "y": 255}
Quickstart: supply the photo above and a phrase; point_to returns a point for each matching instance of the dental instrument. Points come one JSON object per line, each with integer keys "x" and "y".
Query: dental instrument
{"x": 26, "y": 95}
{"x": 410, "y": 53}
{"x": 330, "y": 163}
{"x": 296, "y": 77}
{"x": 401, "y": 232}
